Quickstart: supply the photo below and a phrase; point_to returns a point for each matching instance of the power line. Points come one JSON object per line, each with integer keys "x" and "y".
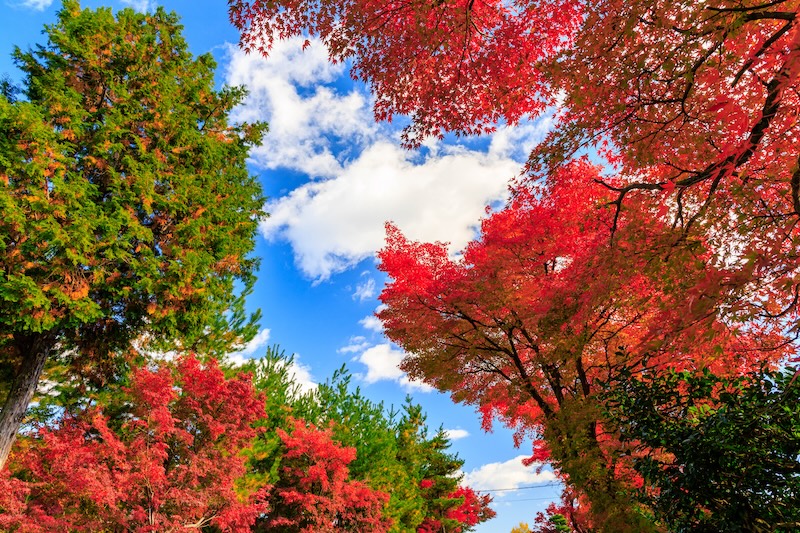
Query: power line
{"x": 529, "y": 500}
{"x": 540, "y": 486}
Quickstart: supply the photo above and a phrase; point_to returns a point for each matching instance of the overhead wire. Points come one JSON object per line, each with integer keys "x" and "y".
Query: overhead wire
{"x": 540, "y": 486}
{"x": 530, "y": 500}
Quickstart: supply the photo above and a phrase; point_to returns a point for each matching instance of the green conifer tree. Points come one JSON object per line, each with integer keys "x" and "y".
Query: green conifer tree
{"x": 128, "y": 212}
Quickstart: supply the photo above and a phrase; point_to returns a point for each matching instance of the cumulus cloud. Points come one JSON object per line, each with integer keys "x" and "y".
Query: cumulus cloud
{"x": 383, "y": 364}
{"x": 371, "y": 323}
{"x": 301, "y": 374}
{"x": 516, "y": 142}
{"x": 256, "y": 348}
{"x": 142, "y": 6}
{"x": 334, "y": 224}
{"x": 359, "y": 175}
{"x": 357, "y": 344}
{"x": 509, "y": 474}
{"x": 456, "y": 434}
{"x": 36, "y": 5}
{"x": 309, "y": 121}
{"x": 365, "y": 290}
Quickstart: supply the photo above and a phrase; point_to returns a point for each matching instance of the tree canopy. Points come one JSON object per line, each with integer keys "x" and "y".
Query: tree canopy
{"x": 527, "y": 323}
{"x": 393, "y": 452}
{"x": 161, "y": 454}
{"x": 725, "y": 450}
{"x": 128, "y": 212}
{"x": 680, "y": 255}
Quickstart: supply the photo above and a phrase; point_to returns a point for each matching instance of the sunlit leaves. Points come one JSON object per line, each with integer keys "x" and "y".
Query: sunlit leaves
{"x": 128, "y": 212}
{"x": 164, "y": 454}
{"x": 527, "y": 321}
{"x": 314, "y": 493}
{"x": 452, "y": 65}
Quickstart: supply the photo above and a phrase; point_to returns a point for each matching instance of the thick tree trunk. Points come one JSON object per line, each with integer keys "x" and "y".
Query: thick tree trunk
{"x": 34, "y": 350}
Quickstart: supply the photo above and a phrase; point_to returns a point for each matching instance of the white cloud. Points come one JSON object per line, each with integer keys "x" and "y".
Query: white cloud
{"x": 308, "y": 121}
{"x": 249, "y": 350}
{"x": 142, "y": 6}
{"x": 365, "y": 290}
{"x": 36, "y": 5}
{"x": 509, "y": 474}
{"x": 383, "y": 364}
{"x": 516, "y": 142}
{"x": 47, "y": 387}
{"x": 256, "y": 349}
{"x": 371, "y": 323}
{"x": 456, "y": 434}
{"x": 301, "y": 375}
{"x": 334, "y": 224}
{"x": 360, "y": 176}
{"x": 357, "y": 344}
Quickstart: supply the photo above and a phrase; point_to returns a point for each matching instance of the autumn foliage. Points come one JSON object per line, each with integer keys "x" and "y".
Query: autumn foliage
{"x": 164, "y": 456}
{"x": 694, "y": 103}
{"x": 450, "y": 65}
{"x": 681, "y": 255}
{"x": 172, "y": 450}
{"x": 334, "y": 457}
{"x": 472, "y": 508}
{"x": 314, "y": 492}
{"x": 531, "y": 317}
{"x": 690, "y": 93}
{"x": 129, "y": 218}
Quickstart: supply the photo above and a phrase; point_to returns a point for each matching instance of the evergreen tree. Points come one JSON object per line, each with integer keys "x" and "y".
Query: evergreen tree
{"x": 128, "y": 212}
{"x": 396, "y": 454}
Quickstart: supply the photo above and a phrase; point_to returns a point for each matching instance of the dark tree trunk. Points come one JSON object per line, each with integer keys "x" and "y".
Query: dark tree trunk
{"x": 34, "y": 350}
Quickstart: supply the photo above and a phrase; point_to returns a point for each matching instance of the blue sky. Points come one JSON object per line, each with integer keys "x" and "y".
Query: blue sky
{"x": 334, "y": 177}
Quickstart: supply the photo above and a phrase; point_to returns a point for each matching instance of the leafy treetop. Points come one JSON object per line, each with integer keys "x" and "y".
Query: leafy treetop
{"x": 162, "y": 454}
{"x": 450, "y": 64}
{"x": 128, "y": 211}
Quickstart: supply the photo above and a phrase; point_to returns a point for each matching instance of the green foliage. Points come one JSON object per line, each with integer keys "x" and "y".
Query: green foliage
{"x": 394, "y": 452}
{"x": 572, "y": 438}
{"x": 272, "y": 377}
{"x": 127, "y": 204}
{"x": 716, "y": 454}
{"x": 356, "y": 421}
{"x": 128, "y": 211}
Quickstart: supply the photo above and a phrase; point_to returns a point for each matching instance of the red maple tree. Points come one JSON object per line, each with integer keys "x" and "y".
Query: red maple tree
{"x": 472, "y": 508}
{"x": 452, "y": 507}
{"x": 691, "y": 91}
{"x": 684, "y": 255}
{"x": 694, "y": 100}
{"x": 450, "y": 64}
{"x": 541, "y": 309}
{"x": 314, "y": 493}
{"x": 168, "y": 459}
